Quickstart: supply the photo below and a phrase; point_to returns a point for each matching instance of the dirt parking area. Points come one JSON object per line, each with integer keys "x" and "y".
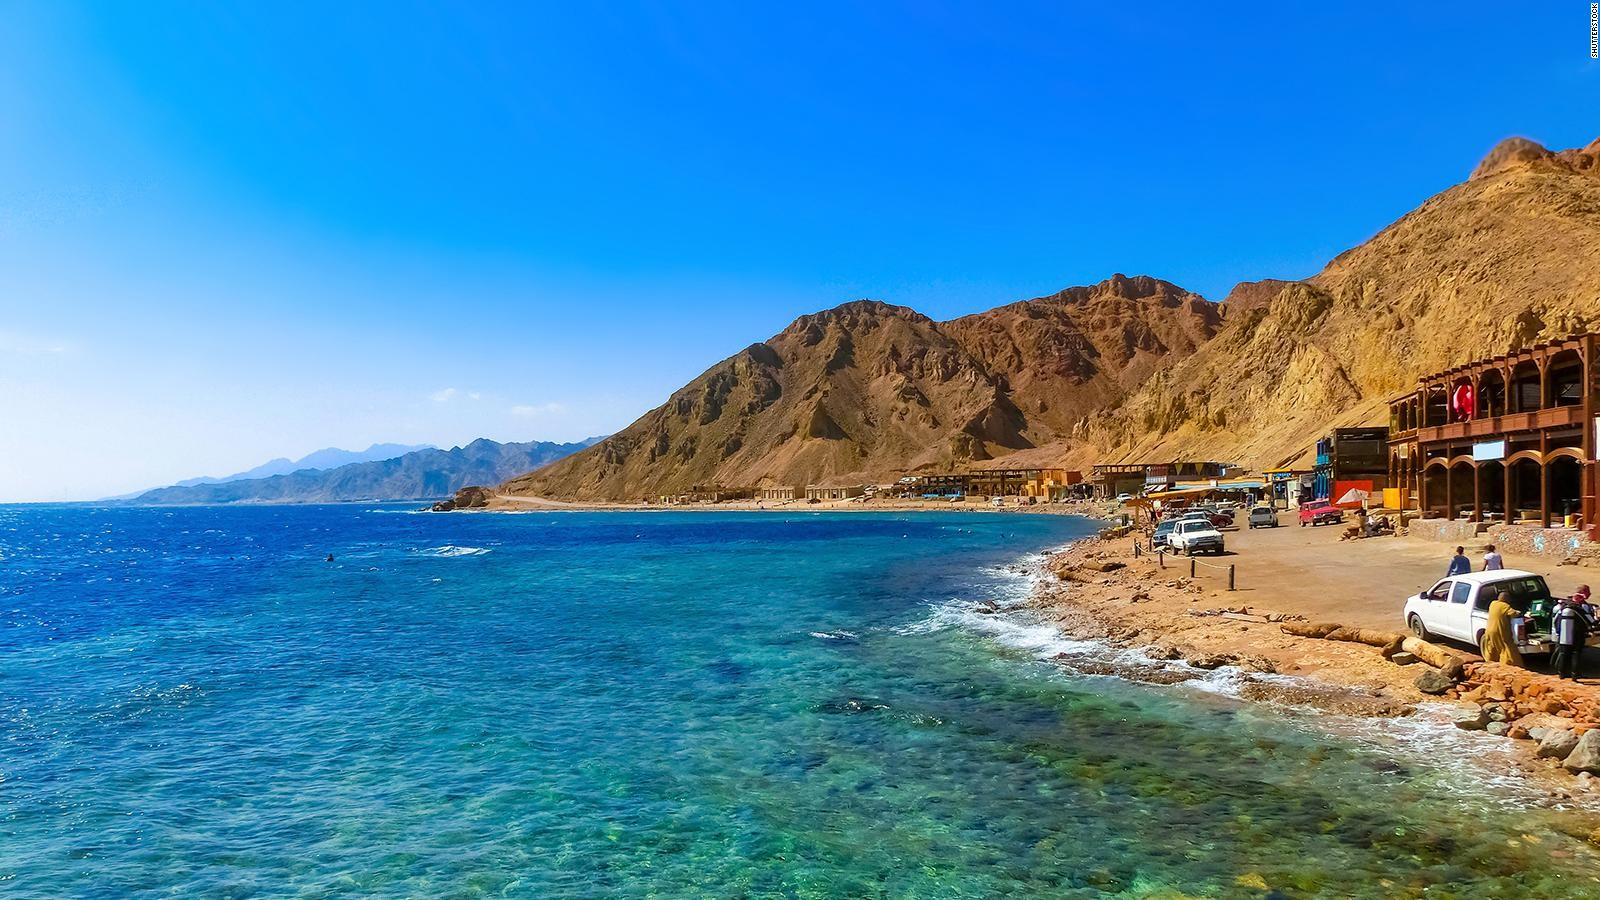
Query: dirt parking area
{"x": 1310, "y": 571}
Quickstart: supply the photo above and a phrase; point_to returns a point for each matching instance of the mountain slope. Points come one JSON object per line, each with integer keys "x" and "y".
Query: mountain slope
{"x": 867, "y": 390}
{"x": 1508, "y": 258}
{"x": 327, "y": 458}
{"x": 419, "y": 475}
{"x": 1133, "y": 368}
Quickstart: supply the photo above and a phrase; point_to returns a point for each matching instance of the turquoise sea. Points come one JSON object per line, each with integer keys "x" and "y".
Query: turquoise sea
{"x": 196, "y": 702}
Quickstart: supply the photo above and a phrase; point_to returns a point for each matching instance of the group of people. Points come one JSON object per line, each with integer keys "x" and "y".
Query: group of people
{"x": 1570, "y": 624}
{"x": 1461, "y": 565}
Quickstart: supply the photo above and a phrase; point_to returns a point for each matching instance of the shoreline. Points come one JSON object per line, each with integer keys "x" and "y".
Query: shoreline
{"x": 1158, "y": 626}
{"x": 1102, "y": 511}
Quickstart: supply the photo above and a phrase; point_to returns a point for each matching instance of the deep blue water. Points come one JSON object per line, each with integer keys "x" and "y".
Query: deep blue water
{"x": 195, "y": 702}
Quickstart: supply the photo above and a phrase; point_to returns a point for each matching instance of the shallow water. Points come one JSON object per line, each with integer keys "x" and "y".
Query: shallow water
{"x": 194, "y": 701}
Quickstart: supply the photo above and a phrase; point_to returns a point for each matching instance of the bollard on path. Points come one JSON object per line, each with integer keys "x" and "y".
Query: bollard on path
{"x": 1230, "y": 576}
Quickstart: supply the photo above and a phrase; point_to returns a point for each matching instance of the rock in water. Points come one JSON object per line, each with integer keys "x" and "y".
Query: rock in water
{"x": 1434, "y": 682}
{"x": 470, "y": 497}
{"x": 1472, "y": 720}
{"x": 1557, "y": 744}
{"x": 1585, "y": 757}
{"x": 1498, "y": 729}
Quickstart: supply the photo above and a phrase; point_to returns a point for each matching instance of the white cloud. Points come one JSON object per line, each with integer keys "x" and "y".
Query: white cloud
{"x": 543, "y": 409}
{"x": 445, "y": 395}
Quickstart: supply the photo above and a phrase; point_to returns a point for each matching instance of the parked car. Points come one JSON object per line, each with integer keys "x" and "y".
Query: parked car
{"x": 1221, "y": 520}
{"x": 1263, "y": 517}
{"x": 1193, "y": 536}
{"x": 1458, "y": 608}
{"x": 1158, "y": 539}
{"x": 1320, "y": 512}
{"x": 1124, "y": 498}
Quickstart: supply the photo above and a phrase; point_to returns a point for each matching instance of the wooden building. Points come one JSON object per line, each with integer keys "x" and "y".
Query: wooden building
{"x": 1039, "y": 483}
{"x": 1351, "y": 459}
{"x": 1511, "y": 438}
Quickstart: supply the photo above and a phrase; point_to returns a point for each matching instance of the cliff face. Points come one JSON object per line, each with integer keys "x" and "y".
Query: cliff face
{"x": 1508, "y": 258}
{"x": 870, "y": 391}
{"x": 1133, "y": 368}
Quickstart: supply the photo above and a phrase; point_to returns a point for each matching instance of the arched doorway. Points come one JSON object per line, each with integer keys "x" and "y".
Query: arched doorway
{"x": 1491, "y": 394}
{"x": 1435, "y": 495}
{"x": 1564, "y": 379}
{"x": 1462, "y": 489}
{"x": 1564, "y": 486}
{"x": 1527, "y": 387}
{"x": 1492, "y": 489}
{"x": 1524, "y": 479}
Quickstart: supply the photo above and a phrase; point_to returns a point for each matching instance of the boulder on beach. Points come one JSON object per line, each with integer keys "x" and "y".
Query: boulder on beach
{"x": 1585, "y": 755}
{"x": 1434, "y": 682}
{"x": 1472, "y": 719}
{"x": 1557, "y": 743}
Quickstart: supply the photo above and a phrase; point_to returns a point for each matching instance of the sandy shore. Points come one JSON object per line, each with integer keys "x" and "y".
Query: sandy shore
{"x": 513, "y": 503}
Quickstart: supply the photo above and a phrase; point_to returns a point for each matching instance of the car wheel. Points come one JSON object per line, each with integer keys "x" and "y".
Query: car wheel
{"x": 1479, "y": 644}
{"x": 1417, "y": 628}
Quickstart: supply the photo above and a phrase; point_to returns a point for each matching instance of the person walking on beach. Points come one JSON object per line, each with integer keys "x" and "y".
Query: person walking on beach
{"x": 1499, "y": 644}
{"x": 1571, "y": 625}
{"x": 1491, "y": 560}
{"x": 1459, "y": 564}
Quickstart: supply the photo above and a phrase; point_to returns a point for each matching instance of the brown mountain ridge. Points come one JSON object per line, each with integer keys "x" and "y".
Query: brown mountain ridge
{"x": 1132, "y": 367}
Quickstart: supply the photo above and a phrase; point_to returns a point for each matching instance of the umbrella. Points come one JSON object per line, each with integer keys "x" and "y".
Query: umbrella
{"x": 1354, "y": 495}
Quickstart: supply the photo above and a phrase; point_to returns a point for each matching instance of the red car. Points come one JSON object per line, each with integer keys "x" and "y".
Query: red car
{"x": 1320, "y": 512}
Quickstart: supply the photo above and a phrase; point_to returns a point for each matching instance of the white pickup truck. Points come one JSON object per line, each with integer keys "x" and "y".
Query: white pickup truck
{"x": 1194, "y": 535}
{"x": 1458, "y": 608}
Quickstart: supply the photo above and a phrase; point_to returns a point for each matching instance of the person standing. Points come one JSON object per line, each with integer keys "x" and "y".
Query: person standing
{"x": 1459, "y": 564}
{"x": 1499, "y": 642}
{"x": 1491, "y": 560}
{"x": 1570, "y": 624}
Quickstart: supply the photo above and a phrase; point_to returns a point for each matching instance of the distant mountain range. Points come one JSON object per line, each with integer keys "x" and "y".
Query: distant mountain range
{"x": 421, "y": 474}
{"x": 328, "y": 458}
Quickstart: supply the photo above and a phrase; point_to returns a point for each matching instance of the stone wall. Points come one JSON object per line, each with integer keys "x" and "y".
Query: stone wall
{"x": 1557, "y": 542}
{"x": 1446, "y": 531}
{"x": 1530, "y": 540}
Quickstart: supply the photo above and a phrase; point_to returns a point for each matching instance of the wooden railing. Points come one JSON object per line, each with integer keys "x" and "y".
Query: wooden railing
{"x": 1554, "y": 417}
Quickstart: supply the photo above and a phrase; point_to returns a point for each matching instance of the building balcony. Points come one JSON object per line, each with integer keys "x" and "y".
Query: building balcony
{"x": 1555, "y": 417}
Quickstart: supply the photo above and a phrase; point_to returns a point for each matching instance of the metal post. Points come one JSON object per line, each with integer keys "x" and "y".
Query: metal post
{"x": 1230, "y": 576}
{"x": 1191, "y": 567}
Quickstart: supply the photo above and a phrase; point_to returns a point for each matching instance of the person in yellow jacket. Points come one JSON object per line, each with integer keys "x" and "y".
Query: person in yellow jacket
{"x": 1499, "y": 644}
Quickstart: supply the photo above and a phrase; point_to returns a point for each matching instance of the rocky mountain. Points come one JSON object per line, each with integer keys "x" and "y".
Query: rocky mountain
{"x": 868, "y": 391}
{"x": 1133, "y": 368}
{"x": 1507, "y": 258}
{"x": 425, "y": 474}
{"x": 327, "y": 458}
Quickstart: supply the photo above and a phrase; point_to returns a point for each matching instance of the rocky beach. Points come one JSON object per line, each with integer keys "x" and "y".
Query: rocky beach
{"x": 1100, "y": 589}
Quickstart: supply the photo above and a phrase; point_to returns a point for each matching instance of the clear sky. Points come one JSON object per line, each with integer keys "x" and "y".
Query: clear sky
{"x": 230, "y": 232}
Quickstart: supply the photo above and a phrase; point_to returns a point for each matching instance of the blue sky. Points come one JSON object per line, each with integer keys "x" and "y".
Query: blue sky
{"x": 230, "y": 232}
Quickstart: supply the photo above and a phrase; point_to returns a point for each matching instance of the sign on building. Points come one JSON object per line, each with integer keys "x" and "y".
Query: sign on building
{"x": 1489, "y": 451}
